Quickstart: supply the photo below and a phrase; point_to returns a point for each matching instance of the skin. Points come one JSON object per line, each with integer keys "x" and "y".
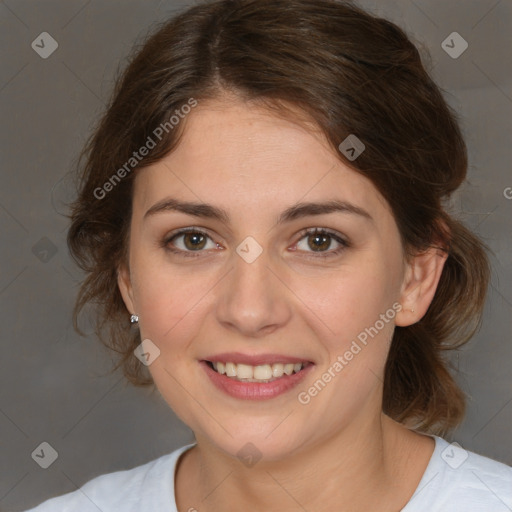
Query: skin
{"x": 338, "y": 452}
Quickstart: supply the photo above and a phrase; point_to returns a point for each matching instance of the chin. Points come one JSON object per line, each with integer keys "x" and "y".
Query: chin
{"x": 255, "y": 441}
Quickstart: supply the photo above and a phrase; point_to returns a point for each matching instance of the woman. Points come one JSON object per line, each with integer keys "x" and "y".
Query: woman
{"x": 263, "y": 200}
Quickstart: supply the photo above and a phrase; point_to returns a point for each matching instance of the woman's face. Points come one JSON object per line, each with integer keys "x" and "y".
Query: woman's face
{"x": 250, "y": 282}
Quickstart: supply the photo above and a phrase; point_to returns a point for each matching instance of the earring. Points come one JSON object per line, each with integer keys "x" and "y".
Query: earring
{"x": 134, "y": 319}
{"x": 411, "y": 310}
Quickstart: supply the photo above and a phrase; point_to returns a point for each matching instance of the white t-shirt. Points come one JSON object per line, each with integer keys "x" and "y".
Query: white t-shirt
{"x": 454, "y": 481}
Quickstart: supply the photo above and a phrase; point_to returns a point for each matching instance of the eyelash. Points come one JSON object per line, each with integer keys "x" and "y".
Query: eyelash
{"x": 344, "y": 244}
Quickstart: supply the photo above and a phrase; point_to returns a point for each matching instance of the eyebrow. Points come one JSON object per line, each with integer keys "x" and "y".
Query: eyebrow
{"x": 294, "y": 212}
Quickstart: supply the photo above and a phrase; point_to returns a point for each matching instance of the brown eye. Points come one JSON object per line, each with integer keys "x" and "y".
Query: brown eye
{"x": 322, "y": 242}
{"x": 188, "y": 241}
{"x": 319, "y": 242}
{"x": 194, "y": 241}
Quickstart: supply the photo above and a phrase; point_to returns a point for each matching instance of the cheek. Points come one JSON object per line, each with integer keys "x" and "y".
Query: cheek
{"x": 171, "y": 306}
{"x": 166, "y": 300}
{"x": 348, "y": 301}
{"x": 347, "y": 307}
{"x": 355, "y": 336}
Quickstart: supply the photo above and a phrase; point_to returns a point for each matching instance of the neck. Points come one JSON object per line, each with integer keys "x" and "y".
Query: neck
{"x": 366, "y": 466}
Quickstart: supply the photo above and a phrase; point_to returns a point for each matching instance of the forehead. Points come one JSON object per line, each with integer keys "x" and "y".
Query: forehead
{"x": 241, "y": 155}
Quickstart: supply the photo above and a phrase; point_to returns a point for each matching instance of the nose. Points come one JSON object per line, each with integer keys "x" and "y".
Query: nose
{"x": 253, "y": 300}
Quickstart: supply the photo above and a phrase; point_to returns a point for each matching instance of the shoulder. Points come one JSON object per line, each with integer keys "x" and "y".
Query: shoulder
{"x": 147, "y": 487}
{"x": 460, "y": 480}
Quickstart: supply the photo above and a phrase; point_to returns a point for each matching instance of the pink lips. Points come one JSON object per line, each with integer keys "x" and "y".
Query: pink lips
{"x": 254, "y": 390}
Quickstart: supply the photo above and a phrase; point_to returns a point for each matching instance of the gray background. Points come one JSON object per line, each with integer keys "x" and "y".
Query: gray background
{"x": 54, "y": 384}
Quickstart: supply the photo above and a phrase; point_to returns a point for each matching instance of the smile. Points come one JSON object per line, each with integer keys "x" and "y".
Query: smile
{"x": 259, "y": 373}
{"x": 261, "y": 381}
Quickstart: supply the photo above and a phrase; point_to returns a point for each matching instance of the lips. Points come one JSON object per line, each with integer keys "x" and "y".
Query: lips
{"x": 255, "y": 389}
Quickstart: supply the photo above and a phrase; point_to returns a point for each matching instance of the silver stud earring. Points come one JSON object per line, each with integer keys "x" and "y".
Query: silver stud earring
{"x": 134, "y": 319}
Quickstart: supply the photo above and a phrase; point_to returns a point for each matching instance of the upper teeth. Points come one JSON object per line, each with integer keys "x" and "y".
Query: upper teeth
{"x": 260, "y": 372}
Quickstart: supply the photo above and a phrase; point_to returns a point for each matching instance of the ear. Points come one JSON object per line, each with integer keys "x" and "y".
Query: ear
{"x": 125, "y": 287}
{"x": 420, "y": 283}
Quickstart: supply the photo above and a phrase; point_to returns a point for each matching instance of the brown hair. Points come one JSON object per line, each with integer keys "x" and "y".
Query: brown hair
{"x": 351, "y": 73}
